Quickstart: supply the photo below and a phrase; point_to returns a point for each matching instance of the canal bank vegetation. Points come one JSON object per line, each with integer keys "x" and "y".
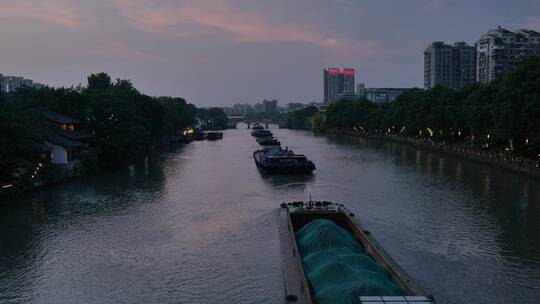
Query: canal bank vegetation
{"x": 120, "y": 123}
{"x": 300, "y": 119}
{"x": 503, "y": 115}
{"x": 214, "y": 118}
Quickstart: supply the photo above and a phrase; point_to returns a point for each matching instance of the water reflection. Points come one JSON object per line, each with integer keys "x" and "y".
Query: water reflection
{"x": 197, "y": 224}
{"x": 486, "y": 215}
{"x": 293, "y": 182}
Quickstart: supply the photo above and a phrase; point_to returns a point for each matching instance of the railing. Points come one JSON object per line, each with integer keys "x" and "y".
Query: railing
{"x": 505, "y": 159}
{"x": 494, "y": 156}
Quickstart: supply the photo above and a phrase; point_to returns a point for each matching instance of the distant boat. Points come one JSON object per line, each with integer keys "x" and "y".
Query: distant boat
{"x": 328, "y": 257}
{"x": 275, "y": 160}
{"x": 268, "y": 141}
{"x": 214, "y": 135}
{"x": 198, "y": 135}
{"x": 261, "y": 133}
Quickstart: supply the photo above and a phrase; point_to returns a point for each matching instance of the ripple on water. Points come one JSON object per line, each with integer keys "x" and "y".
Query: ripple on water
{"x": 198, "y": 225}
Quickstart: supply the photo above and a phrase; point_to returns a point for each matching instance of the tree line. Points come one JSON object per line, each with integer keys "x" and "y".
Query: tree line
{"x": 502, "y": 115}
{"x": 123, "y": 122}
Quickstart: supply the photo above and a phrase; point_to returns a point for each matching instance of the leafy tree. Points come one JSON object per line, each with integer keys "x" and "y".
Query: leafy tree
{"x": 20, "y": 139}
{"x": 124, "y": 122}
{"x": 215, "y": 116}
{"x": 300, "y": 119}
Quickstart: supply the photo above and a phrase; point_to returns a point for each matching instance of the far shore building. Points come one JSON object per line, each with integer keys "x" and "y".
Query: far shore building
{"x": 347, "y": 96}
{"x": 452, "y": 66}
{"x": 361, "y": 90}
{"x": 500, "y": 50}
{"x": 383, "y": 95}
{"x": 65, "y": 138}
{"x": 337, "y": 82}
{"x": 270, "y": 106}
{"x": 295, "y": 106}
{"x": 258, "y": 108}
{"x": 10, "y": 84}
{"x": 238, "y": 110}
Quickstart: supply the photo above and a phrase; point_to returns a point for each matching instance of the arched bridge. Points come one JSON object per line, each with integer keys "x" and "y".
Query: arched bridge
{"x": 249, "y": 121}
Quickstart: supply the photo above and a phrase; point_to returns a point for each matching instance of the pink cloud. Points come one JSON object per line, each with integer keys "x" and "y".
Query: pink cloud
{"x": 533, "y": 24}
{"x": 202, "y": 17}
{"x": 61, "y": 12}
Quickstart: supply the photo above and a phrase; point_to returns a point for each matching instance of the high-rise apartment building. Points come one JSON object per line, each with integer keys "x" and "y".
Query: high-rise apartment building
{"x": 270, "y": 106}
{"x": 337, "y": 82}
{"x": 500, "y": 50}
{"x": 452, "y": 66}
{"x": 10, "y": 84}
{"x": 361, "y": 90}
{"x": 348, "y": 81}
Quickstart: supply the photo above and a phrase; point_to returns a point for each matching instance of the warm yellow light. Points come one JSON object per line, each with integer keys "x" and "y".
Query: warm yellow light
{"x": 402, "y": 129}
{"x": 526, "y": 141}
{"x": 430, "y": 132}
{"x": 459, "y": 133}
{"x": 7, "y": 186}
{"x": 488, "y": 136}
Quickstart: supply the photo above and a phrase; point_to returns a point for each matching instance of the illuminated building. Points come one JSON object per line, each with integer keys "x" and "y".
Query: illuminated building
{"x": 337, "y": 82}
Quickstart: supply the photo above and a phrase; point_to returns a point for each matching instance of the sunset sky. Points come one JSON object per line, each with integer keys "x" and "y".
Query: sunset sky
{"x": 218, "y": 52}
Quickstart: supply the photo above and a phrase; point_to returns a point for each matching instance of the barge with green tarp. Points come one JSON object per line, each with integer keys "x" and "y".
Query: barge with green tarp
{"x": 327, "y": 257}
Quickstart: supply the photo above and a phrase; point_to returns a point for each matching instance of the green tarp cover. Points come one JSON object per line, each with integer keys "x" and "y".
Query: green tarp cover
{"x": 337, "y": 266}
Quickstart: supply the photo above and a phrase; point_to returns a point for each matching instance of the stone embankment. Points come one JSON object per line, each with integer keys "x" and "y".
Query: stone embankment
{"x": 497, "y": 158}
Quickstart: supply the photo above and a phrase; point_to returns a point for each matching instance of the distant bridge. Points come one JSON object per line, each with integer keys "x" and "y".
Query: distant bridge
{"x": 235, "y": 120}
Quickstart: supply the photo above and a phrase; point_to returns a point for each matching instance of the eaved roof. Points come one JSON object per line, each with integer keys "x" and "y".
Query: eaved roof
{"x": 60, "y": 118}
{"x": 62, "y": 141}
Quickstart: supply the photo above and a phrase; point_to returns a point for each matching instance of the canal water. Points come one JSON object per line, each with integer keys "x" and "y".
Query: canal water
{"x": 198, "y": 225}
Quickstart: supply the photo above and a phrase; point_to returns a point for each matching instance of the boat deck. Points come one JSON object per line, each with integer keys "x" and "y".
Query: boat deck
{"x": 296, "y": 285}
{"x": 293, "y": 216}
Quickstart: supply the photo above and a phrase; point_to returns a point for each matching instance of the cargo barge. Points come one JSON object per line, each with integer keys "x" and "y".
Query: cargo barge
{"x": 257, "y": 127}
{"x": 261, "y": 133}
{"x": 212, "y": 135}
{"x": 268, "y": 141}
{"x": 275, "y": 160}
{"x": 303, "y": 284}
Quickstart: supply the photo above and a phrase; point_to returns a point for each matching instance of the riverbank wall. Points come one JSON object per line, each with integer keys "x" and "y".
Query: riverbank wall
{"x": 499, "y": 159}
